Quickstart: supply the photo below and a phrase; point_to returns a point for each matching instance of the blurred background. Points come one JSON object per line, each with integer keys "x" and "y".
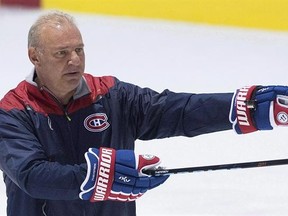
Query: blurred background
{"x": 198, "y": 46}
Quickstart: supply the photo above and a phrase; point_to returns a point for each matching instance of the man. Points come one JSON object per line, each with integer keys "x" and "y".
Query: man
{"x": 67, "y": 137}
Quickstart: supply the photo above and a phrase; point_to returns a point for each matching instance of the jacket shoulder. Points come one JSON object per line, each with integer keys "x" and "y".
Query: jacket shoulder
{"x": 100, "y": 85}
{"x": 14, "y": 98}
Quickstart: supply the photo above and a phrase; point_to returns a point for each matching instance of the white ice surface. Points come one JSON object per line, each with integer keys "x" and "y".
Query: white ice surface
{"x": 188, "y": 58}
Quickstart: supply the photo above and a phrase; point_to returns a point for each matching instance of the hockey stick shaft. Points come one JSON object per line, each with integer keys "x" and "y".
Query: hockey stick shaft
{"x": 162, "y": 171}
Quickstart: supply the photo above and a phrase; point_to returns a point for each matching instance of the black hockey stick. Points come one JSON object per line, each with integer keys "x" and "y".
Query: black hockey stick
{"x": 162, "y": 171}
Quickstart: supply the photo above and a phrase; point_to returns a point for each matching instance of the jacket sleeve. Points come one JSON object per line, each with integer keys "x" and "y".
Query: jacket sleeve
{"x": 167, "y": 114}
{"x": 23, "y": 160}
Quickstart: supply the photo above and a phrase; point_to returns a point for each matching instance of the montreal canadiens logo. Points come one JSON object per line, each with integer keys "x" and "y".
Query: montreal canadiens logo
{"x": 96, "y": 122}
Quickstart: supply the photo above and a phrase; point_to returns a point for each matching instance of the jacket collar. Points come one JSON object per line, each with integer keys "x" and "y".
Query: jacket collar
{"x": 82, "y": 89}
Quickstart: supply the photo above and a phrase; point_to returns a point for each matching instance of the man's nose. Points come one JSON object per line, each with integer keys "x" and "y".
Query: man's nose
{"x": 74, "y": 59}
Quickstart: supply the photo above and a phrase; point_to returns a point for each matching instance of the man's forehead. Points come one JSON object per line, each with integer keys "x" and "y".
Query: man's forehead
{"x": 61, "y": 35}
{"x": 57, "y": 27}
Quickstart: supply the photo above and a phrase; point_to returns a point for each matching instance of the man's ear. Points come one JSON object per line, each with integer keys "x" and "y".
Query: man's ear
{"x": 33, "y": 55}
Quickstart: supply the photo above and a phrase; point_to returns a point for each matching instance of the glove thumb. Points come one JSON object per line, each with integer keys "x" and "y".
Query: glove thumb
{"x": 147, "y": 161}
{"x": 88, "y": 184}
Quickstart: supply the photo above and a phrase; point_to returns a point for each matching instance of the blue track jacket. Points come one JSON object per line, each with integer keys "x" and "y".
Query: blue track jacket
{"x": 42, "y": 143}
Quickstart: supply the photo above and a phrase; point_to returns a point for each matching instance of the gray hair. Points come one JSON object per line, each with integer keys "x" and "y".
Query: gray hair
{"x": 50, "y": 18}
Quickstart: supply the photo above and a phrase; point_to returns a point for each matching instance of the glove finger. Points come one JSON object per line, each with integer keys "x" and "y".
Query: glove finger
{"x": 143, "y": 182}
{"x": 263, "y": 111}
{"x": 147, "y": 183}
{"x": 269, "y": 93}
{"x": 124, "y": 197}
{"x": 118, "y": 196}
{"x": 126, "y": 158}
{"x": 125, "y": 170}
{"x": 120, "y": 188}
{"x": 157, "y": 180}
{"x": 124, "y": 179}
{"x": 136, "y": 186}
{"x": 134, "y": 197}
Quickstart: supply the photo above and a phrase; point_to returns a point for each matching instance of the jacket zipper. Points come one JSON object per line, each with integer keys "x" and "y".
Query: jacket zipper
{"x": 67, "y": 116}
{"x": 43, "y": 208}
{"x": 65, "y": 110}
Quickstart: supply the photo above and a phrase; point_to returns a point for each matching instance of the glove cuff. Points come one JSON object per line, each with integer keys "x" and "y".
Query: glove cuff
{"x": 240, "y": 113}
{"x": 105, "y": 174}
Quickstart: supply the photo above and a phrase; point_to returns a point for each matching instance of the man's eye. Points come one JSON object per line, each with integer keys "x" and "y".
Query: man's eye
{"x": 61, "y": 53}
{"x": 79, "y": 50}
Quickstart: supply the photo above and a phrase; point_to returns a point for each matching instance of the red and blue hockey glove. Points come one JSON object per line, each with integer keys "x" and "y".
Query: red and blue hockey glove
{"x": 259, "y": 108}
{"x": 117, "y": 175}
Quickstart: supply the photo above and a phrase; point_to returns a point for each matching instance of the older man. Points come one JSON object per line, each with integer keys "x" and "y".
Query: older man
{"x": 67, "y": 137}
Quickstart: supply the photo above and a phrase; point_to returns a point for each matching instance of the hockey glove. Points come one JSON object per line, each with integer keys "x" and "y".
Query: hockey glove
{"x": 259, "y": 108}
{"x": 117, "y": 175}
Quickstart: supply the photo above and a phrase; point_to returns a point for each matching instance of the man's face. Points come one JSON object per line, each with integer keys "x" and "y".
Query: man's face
{"x": 60, "y": 59}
